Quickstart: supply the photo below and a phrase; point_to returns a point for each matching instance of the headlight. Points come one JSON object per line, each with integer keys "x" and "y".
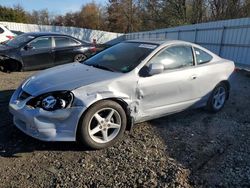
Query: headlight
{"x": 52, "y": 101}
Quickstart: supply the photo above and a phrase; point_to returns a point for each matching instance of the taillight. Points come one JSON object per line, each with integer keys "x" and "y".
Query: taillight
{"x": 236, "y": 69}
{"x": 10, "y": 37}
{"x": 93, "y": 49}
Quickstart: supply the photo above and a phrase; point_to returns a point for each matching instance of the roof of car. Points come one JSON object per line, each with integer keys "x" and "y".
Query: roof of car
{"x": 160, "y": 42}
{"x": 169, "y": 42}
{"x": 46, "y": 33}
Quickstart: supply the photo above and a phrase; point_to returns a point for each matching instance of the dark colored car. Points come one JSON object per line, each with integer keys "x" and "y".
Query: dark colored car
{"x": 32, "y": 51}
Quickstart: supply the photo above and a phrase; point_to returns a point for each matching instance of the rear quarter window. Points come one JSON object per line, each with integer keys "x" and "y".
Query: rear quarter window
{"x": 201, "y": 56}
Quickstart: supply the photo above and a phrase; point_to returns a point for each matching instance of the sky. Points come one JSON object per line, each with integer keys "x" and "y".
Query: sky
{"x": 54, "y": 6}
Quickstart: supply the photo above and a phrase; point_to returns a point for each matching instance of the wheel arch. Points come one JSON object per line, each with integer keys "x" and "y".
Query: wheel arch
{"x": 227, "y": 84}
{"x": 11, "y": 64}
{"x": 121, "y": 102}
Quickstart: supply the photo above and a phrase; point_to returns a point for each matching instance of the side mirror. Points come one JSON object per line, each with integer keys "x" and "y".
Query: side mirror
{"x": 28, "y": 47}
{"x": 155, "y": 68}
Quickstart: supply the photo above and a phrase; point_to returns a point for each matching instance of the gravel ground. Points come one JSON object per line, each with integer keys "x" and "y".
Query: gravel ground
{"x": 188, "y": 149}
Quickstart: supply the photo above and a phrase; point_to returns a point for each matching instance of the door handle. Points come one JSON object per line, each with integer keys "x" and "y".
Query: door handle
{"x": 52, "y": 51}
{"x": 193, "y": 77}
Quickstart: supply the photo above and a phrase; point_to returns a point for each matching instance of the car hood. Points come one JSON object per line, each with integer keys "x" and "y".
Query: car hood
{"x": 5, "y": 48}
{"x": 8, "y": 51}
{"x": 65, "y": 77}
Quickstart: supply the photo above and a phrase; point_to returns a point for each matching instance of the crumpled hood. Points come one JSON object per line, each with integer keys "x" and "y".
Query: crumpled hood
{"x": 65, "y": 77}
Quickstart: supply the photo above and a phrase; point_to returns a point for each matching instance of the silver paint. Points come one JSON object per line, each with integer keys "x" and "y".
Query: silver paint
{"x": 146, "y": 97}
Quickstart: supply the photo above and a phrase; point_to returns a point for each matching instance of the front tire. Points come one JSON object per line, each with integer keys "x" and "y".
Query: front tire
{"x": 218, "y": 98}
{"x": 102, "y": 125}
{"x": 12, "y": 66}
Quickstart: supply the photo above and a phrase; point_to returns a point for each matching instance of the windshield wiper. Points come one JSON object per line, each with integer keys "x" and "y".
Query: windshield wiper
{"x": 103, "y": 67}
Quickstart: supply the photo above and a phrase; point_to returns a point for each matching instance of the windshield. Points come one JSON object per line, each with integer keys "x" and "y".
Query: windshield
{"x": 122, "y": 57}
{"x": 19, "y": 40}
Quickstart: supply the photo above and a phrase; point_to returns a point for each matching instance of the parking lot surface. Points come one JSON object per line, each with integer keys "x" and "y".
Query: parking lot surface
{"x": 189, "y": 149}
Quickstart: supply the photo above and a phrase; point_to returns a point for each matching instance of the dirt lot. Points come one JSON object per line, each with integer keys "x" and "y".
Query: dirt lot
{"x": 189, "y": 149}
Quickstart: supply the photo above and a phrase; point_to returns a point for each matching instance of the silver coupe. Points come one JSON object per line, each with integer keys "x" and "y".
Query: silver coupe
{"x": 97, "y": 100}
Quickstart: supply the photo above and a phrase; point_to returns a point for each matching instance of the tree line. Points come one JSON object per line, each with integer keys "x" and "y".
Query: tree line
{"x": 134, "y": 15}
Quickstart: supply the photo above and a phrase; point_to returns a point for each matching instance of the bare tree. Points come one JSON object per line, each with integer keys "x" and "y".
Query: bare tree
{"x": 134, "y": 15}
{"x": 226, "y": 9}
{"x": 197, "y": 11}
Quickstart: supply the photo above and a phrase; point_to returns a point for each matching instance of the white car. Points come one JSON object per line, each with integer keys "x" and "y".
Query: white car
{"x": 134, "y": 81}
{"x": 5, "y": 34}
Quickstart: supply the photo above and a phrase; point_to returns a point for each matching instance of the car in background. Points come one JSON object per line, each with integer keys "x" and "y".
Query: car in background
{"x": 131, "y": 82}
{"x": 40, "y": 50}
{"x": 5, "y": 34}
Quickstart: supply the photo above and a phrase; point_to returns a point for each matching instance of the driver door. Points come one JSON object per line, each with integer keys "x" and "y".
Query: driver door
{"x": 38, "y": 53}
{"x": 172, "y": 90}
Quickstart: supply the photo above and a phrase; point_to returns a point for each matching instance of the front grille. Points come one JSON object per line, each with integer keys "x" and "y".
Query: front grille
{"x": 23, "y": 95}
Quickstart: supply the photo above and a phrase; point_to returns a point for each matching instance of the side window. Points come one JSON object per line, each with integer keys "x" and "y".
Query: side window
{"x": 62, "y": 42}
{"x": 41, "y": 42}
{"x": 174, "y": 57}
{"x": 201, "y": 56}
{"x": 1, "y": 30}
{"x": 72, "y": 42}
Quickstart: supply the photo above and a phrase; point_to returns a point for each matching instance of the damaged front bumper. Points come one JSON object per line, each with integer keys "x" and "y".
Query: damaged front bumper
{"x": 58, "y": 125}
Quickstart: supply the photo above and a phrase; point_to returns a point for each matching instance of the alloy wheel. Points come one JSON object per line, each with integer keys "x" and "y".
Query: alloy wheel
{"x": 104, "y": 125}
{"x": 219, "y": 97}
{"x": 80, "y": 57}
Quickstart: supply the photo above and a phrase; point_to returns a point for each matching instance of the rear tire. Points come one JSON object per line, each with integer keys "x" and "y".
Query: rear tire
{"x": 80, "y": 57}
{"x": 218, "y": 98}
{"x": 102, "y": 125}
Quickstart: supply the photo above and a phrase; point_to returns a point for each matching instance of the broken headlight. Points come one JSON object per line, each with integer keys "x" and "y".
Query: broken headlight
{"x": 52, "y": 101}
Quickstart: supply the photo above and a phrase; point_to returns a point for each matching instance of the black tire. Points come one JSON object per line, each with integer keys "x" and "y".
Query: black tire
{"x": 80, "y": 57}
{"x": 211, "y": 106}
{"x": 12, "y": 66}
{"x": 89, "y": 119}
{"x": 15, "y": 66}
{"x": 6, "y": 68}
{"x": 2, "y": 68}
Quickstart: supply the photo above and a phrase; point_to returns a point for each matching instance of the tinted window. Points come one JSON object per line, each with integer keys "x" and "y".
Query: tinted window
{"x": 1, "y": 30}
{"x": 65, "y": 41}
{"x": 174, "y": 57}
{"x": 122, "y": 57}
{"x": 41, "y": 42}
{"x": 61, "y": 41}
{"x": 201, "y": 56}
